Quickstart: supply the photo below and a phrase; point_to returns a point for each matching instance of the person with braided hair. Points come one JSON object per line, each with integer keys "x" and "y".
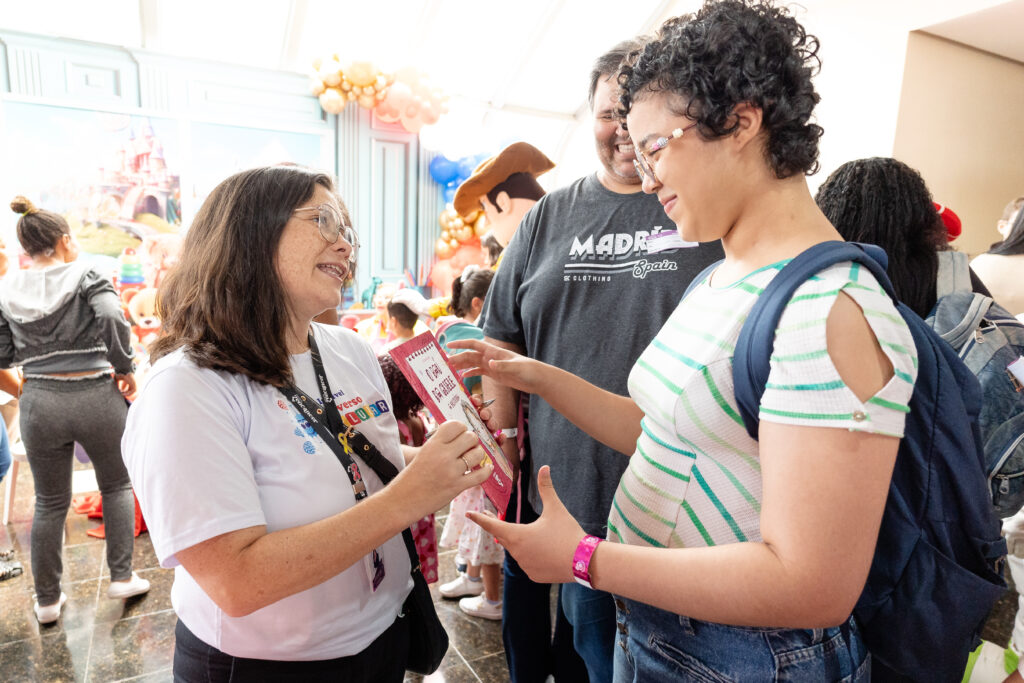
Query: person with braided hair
{"x": 61, "y": 321}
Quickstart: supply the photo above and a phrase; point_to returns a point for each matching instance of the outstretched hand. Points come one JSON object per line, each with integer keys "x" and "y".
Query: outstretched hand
{"x": 544, "y": 548}
{"x": 479, "y": 358}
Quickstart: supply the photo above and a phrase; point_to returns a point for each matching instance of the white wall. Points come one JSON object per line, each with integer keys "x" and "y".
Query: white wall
{"x": 863, "y": 50}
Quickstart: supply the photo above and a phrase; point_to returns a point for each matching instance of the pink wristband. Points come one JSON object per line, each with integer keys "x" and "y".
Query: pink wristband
{"x": 581, "y": 559}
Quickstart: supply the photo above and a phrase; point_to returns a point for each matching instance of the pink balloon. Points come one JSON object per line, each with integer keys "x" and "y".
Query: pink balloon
{"x": 429, "y": 114}
{"x": 412, "y": 110}
{"x": 399, "y": 95}
{"x": 469, "y": 254}
{"x": 412, "y": 123}
{"x": 386, "y": 114}
{"x": 441, "y": 276}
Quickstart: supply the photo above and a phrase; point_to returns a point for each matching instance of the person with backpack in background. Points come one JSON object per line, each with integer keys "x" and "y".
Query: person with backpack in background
{"x": 1000, "y": 267}
{"x": 733, "y": 558}
{"x": 885, "y": 202}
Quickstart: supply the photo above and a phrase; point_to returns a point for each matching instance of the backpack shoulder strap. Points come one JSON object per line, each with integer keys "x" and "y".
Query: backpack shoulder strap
{"x": 701, "y": 276}
{"x": 751, "y": 361}
{"x": 954, "y": 274}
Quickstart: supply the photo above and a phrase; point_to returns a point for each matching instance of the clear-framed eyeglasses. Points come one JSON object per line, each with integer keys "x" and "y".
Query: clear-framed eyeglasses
{"x": 332, "y": 226}
{"x": 644, "y": 165}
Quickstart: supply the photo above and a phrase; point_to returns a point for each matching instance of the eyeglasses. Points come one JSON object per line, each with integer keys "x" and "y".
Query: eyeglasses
{"x": 644, "y": 165}
{"x": 331, "y": 226}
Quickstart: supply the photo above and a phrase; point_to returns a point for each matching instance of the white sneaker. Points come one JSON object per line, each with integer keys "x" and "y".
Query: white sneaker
{"x": 461, "y": 587}
{"x": 126, "y": 589}
{"x": 481, "y": 607}
{"x": 50, "y": 613}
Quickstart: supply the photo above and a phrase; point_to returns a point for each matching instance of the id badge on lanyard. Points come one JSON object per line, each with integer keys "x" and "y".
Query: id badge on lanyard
{"x": 332, "y": 429}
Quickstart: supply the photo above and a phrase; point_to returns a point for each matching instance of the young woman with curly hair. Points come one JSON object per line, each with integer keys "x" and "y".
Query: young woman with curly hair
{"x": 732, "y": 559}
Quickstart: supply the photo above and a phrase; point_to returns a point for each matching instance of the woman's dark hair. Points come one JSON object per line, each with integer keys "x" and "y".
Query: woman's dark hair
{"x": 728, "y": 53}
{"x": 405, "y": 401}
{"x": 476, "y": 284}
{"x": 1014, "y": 242}
{"x": 493, "y": 247}
{"x": 38, "y": 230}
{"x": 224, "y": 301}
{"x": 885, "y": 202}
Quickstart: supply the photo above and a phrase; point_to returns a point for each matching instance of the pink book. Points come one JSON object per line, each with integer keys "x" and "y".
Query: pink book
{"x": 425, "y": 364}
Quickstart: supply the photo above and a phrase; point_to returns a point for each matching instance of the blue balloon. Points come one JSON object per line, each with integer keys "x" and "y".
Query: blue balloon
{"x": 443, "y": 170}
{"x": 449, "y": 195}
{"x": 466, "y": 166}
{"x": 454, "y": 184}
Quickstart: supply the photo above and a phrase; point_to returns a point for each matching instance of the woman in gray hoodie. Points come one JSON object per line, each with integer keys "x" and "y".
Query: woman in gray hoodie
{"x": 62, "y": 322}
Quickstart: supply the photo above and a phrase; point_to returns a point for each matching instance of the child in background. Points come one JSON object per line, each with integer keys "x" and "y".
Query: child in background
{"x": 478, "y": 585}
{"x": 401, "y": 321}
{"x": 406, "y": 406}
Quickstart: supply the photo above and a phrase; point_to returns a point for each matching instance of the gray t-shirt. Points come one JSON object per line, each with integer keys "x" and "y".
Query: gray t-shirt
{"x": 578, "y": 290}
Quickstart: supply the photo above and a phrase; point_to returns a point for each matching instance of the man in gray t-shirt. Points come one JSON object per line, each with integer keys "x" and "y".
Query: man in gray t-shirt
{"x": 583, "y": 287}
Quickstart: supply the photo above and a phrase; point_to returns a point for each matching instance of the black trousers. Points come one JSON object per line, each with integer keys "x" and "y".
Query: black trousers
{"x": 383, "y": 660}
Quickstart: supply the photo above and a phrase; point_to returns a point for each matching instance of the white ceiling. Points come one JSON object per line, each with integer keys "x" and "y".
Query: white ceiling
{"x": 999, "y": 30}
{"x": 534, "y": 58}
{"x": 514, "y": 70}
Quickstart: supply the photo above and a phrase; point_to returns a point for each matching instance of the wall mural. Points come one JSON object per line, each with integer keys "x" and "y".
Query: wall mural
{"x": 115, "y": 177}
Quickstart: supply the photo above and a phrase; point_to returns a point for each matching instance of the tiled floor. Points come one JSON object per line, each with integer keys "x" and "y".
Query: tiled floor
{"x": 98, "y": 640}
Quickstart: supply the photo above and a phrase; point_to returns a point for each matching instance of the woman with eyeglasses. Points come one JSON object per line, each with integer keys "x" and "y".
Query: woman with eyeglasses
{"x": 247, "y": 445}
{"x": 732, "y": 559}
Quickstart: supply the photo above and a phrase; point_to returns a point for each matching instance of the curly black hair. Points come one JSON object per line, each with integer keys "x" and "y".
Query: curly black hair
{"x": 404, "y": 400}
{"x": 730, "y": 52}
{"x": 885, "y": 202}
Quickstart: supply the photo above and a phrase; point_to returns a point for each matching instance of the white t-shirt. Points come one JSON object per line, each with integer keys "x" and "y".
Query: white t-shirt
{"x": 211, "y": 452}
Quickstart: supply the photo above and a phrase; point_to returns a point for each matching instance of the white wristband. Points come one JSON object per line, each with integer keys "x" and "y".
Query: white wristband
{"x": 509, "y": 433}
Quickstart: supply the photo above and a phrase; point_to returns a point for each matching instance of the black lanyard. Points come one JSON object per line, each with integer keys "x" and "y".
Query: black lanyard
{"x": 343, "y": 440}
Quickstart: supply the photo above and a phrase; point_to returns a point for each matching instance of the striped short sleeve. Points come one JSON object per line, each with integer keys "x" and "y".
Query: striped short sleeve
{"x": 804, "y": 387}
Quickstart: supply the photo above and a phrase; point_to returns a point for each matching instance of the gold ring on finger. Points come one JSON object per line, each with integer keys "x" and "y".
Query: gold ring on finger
{"x": 469, "y": 470}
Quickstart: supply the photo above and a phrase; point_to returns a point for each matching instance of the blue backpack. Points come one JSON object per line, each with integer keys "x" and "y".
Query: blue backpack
{"x": 936, "y": 569}
{"x": 988, "y": 339}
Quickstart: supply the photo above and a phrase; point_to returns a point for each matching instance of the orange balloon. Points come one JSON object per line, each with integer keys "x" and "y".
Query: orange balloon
{"x": 469, "y": 254}
{"x": 480, "y": 225}
{"x": 361, "y": 73}
{"x": 464, "y": 234}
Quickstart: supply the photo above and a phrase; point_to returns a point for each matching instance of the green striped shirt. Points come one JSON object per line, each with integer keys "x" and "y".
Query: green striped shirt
{"x": 695, "y": 478}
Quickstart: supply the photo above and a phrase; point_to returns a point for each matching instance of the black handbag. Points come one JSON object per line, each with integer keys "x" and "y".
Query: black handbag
{"x": 428, "y": 641}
